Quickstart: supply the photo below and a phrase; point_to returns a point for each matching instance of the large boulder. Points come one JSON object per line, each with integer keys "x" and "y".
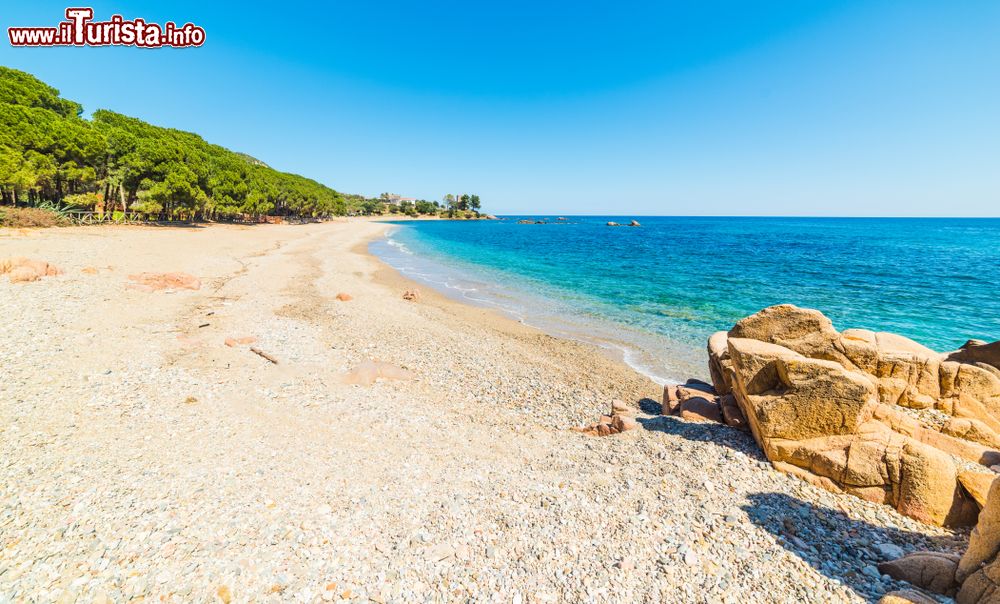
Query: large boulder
{"x": 719, "y": 364}
{"x": 932, "y": 571}
{"x": 906, "y": 596}
{"x": 977, "y": 485}
{"x": 805, "y": 331}
{"x": 984, "y": 541}
{"x": 972, "y": 429}
{"x": 979, "y": 569}
{"x": 786, "y": 395}
{"x": 987, "y": 354}
{"x": 832, "y": 408}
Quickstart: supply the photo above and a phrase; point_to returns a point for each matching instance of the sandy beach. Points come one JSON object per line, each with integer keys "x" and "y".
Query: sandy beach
{"x": 142, "y": 458}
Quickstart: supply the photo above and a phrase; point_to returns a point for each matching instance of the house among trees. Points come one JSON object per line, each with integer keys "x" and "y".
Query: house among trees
{"x": 396, "y": 200}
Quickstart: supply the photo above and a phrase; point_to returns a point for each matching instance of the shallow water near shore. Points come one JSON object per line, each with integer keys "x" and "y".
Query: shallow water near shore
{"x": 655, "y": 293}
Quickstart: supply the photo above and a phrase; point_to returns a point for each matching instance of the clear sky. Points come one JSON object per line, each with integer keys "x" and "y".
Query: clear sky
{"x": 703, "y": 107}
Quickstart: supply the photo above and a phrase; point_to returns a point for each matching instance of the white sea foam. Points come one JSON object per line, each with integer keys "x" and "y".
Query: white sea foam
{"x": 399, "y": 246}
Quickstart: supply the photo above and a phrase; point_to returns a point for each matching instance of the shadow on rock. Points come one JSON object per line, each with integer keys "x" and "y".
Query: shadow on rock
{"x": 838, "y": 546}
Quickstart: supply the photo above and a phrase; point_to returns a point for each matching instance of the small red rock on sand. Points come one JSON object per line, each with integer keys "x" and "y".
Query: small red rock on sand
{"x": 621, "y": 420}
{"x": 367, "y": 372}
{"x": 234, "y": 342}
{"x": 150, "y": 282}
{"x": 89, "y": 270}
{"x": 344, "y": 297}
{"x": 23, "y": 270}
{"x": 412, "y": 295}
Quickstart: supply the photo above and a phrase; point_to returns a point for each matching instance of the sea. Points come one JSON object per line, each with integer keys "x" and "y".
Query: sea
{"x": 653, "y": 294}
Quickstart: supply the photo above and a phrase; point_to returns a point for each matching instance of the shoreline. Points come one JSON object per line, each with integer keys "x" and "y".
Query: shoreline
{"x": 609, "y": 345}
{"x": 496, "y": 320}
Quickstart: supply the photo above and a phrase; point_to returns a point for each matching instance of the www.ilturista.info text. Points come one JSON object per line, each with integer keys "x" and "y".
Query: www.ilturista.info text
{"x": 79, "y": 29}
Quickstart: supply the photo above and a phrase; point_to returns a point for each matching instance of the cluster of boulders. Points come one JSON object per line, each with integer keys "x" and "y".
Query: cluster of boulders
{"x": 621, "y": 419}
{"x": 634, "y": 223}
{"x": 874, "y": 415}
{"x": 697, "y": 401}
{"x": 24, "y": 270}
{"x": 851, "y": 411}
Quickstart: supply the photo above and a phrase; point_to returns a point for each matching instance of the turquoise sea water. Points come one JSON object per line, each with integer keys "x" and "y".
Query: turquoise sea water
{"x": 656, "y": 292}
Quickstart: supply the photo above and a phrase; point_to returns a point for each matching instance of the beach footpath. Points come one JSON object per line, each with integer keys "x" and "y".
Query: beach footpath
{"x": 267, "y": 413}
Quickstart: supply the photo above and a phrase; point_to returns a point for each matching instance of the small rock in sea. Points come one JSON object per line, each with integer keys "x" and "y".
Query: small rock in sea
{"x": 613, "y": 224}
{"x": 634, "y": 223}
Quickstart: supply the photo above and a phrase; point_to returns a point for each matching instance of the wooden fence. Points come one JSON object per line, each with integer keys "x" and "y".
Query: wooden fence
{"x": 83, "y": 217}
{"x": 86, "y": 217}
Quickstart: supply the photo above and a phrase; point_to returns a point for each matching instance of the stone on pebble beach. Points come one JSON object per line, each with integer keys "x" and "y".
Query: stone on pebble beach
{"x": 906, "y": 596}
{"x": 150, "y": 282}
{"x": 24, "y": 270}
{"x": 700, "y": 409}
{"x": 929, "y": 570}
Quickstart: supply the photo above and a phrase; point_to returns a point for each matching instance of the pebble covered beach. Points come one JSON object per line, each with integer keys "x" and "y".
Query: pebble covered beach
{"x": 143, "y": 458}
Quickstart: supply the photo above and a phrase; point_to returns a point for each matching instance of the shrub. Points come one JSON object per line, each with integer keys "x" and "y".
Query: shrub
{"x": 85, "y": 201}
{"x": 30, "y": 218}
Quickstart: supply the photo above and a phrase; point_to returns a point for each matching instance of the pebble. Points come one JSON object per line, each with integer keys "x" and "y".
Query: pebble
{"x": 889, "y": 551}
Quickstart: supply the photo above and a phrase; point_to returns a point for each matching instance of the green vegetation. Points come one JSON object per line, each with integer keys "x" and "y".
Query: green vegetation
{"x": 51, "y": 156}
{"x": 48, "y": 153}
{"x": 462, "y": 206}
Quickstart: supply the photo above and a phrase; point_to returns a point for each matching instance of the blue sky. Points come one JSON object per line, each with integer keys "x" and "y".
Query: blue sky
{"x": 788, "y": 108}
